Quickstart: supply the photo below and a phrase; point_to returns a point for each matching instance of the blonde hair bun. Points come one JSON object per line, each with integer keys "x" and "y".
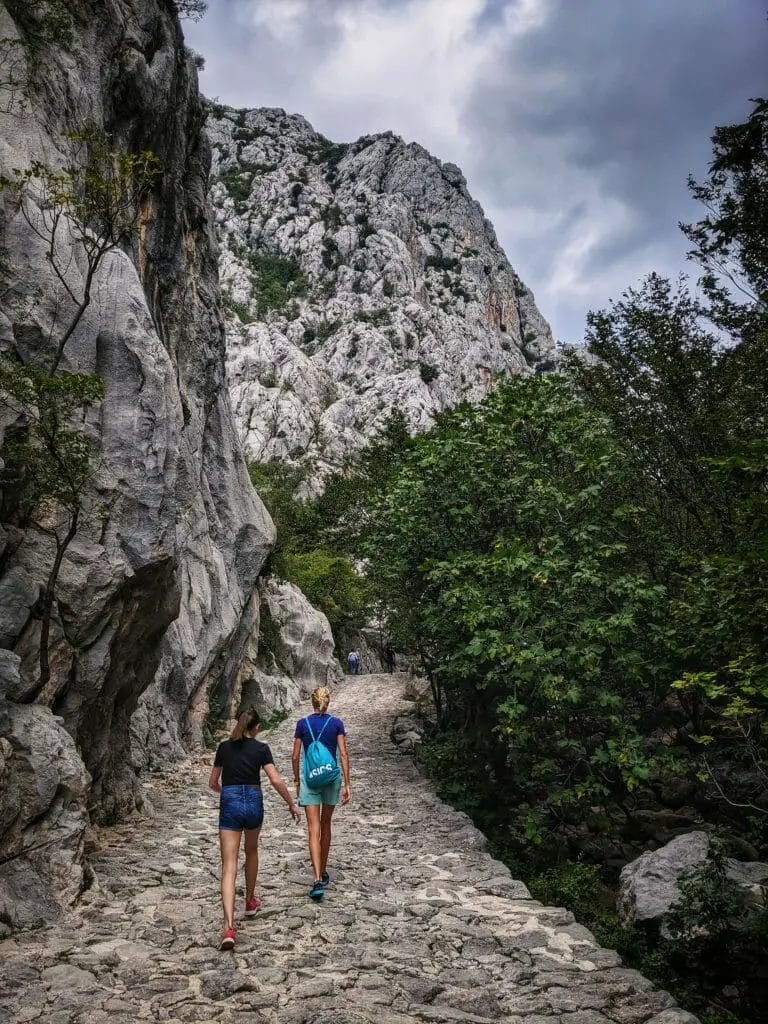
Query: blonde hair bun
{"x": 321, "y": 698}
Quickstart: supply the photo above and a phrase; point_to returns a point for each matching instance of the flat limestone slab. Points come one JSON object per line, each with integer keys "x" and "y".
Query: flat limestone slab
{"x": 419, "y": 923}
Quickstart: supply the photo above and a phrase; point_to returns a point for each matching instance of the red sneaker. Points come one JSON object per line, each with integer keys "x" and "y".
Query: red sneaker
{"x": 227, "y": 940}
{"x": 253, "y": 906}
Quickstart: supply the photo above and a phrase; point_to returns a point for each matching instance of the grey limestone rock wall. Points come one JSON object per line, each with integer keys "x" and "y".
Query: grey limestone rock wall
{"x": 294, "y": 653}
{"x": 397, "y": 294}
{"x": 154, "y": 592}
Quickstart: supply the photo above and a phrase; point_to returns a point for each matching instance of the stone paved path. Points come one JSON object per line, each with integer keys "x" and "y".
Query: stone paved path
{"x": 419, "y": 925}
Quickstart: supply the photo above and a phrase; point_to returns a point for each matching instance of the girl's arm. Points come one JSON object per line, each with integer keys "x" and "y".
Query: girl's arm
{"x": 280, "y": 787}
{"x": 214, "y": 782}
{"x": 346, "y": 792}
{"x": 296, "y": 762}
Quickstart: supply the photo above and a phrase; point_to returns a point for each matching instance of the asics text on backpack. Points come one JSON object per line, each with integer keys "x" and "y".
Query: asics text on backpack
{"x": 320, "y": 767}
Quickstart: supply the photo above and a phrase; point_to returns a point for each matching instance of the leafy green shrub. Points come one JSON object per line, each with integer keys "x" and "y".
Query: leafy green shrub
{"x": 278, "y": 279}
{"x": 238, "y": 183}
{"x": 331, "y": 584}
{"x": 326, "y": 329}
{"x": 242, "y": 310}
{"x": 330, "y": 253}
{"x": 365, "y": 228}
{"x": 269, "y": 634}
{"x": 441, "y": 262}
{"x": 428, "y": 372}
{"x": 573, "y": 885}
{"x": 375, "y": 317}
{"x": 331, "y": 153}
{"x": 332, "y": 216}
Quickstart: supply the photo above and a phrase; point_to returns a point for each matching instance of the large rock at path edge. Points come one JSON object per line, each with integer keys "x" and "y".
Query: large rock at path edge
{"x": 650, "y": 885}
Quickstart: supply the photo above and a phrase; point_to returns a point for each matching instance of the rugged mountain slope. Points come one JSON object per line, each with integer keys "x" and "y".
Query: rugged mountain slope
{"x": 156, "y": 594}
{"x": 357, "y": 279}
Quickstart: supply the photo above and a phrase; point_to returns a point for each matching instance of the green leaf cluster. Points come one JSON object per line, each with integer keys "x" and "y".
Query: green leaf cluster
{"x": 46, "y": 456}
{"x": 278, "y": 279}
{"x": 507, "y": 547}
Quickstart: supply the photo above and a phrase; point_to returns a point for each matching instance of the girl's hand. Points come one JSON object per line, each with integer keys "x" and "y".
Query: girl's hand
{"x": 346, "y": 795}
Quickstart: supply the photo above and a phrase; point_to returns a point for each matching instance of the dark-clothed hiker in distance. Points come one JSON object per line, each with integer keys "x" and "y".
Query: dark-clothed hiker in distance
{"x": 319, "y": 804}
{"x": 236, "y": 775}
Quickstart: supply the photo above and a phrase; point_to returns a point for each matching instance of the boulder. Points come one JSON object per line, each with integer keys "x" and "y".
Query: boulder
{"x": 294, "y": 652}
{"x": 650, "y": 885}
{"x": 44, "y": 791}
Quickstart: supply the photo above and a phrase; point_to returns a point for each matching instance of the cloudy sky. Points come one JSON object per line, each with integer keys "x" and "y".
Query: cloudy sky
{"x": 576, "y": 122}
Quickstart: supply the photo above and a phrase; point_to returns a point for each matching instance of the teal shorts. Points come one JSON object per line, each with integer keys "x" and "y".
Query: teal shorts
{"x": 329, "y": 794}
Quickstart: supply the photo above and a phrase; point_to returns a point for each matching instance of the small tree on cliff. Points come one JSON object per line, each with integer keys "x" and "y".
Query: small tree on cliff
{"x": 94, "y": 205}
{"x": 40, "y": 24}
{"x": 48, "y": 468}
{"x": 88, "y": 208}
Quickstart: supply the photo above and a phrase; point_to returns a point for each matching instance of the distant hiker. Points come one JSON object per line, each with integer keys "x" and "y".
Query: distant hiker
{"x": 389, "y": 654}
{"x": 353, "y": 663}
{"x": 320, "y": 742}
{"x": 236, "y": 775}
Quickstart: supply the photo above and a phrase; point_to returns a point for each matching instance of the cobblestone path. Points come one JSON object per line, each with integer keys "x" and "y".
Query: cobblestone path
{"x": 419, "y": 923}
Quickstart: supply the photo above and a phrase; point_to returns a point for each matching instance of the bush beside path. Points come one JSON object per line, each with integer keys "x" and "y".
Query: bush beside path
{"x": 419, "y": 922}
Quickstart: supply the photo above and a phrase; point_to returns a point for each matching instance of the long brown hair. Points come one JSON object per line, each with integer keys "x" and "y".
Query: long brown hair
{"x": 247, "y": 722}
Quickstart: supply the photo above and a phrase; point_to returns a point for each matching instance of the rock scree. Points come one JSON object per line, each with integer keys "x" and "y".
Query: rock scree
{"x": 419, "y": 923}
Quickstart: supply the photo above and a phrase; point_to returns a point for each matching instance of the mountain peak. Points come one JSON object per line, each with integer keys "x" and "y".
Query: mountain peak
{"x": 357, "y": 278}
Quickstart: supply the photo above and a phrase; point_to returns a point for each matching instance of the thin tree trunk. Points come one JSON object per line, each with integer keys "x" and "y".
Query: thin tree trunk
{"x": 84, "y": 304}
{"x": 48, "y": 599}
{"x": 70, "y": 330}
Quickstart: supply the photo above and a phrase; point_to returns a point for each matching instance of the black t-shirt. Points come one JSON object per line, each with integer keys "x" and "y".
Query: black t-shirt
{"x": 241, "y": 761}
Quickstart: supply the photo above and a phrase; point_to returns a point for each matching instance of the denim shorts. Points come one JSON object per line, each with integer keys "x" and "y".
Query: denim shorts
{"x": 241, "y": 807}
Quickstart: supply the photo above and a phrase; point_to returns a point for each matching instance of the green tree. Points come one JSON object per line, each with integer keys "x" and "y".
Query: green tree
{"x": 40, "y": 24}
{"x": 692, "y": 410}
{"x": 730, "y": 243}
{"x": 507, "y": 549}
{"x": 331, "y": 584}
{"x": 48, "y": 468}
{"x": 94, "y": 204}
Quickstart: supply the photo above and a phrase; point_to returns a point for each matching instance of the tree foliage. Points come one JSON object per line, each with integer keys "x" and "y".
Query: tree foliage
{"x": 81, "y": 213}
{"x": 581, "y": 564}
{"x": 510, "y": 550}
{"x": 48, "y": 467}
{"x": 93, "y": 204}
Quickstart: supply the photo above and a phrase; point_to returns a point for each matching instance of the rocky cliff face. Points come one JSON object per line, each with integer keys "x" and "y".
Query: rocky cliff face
{"x": 155, "y": 595}
{"x": 357, "y": 279}
{"x": 294, "y": 653}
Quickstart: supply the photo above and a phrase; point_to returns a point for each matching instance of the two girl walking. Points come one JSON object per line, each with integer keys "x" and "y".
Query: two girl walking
{"x": 236, "y": 775}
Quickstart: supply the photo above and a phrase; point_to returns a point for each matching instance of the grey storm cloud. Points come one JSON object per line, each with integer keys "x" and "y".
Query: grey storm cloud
{"x": 576, "y": 122}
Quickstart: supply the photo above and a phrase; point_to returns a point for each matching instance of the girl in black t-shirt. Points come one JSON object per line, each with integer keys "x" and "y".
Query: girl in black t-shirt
{"x": 236, "y": 775}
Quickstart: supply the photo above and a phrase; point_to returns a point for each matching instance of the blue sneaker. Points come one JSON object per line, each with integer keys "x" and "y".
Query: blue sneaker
{"x": 326, "y": 878}
{"x": 318, "y": 889}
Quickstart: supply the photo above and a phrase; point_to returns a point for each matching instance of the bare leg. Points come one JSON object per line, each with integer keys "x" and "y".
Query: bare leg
{"x": 325, "y": 835}
{"x": 229, "y": 842}
{"x": 313, "y": 830}
{"x": 251, "y": 861}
